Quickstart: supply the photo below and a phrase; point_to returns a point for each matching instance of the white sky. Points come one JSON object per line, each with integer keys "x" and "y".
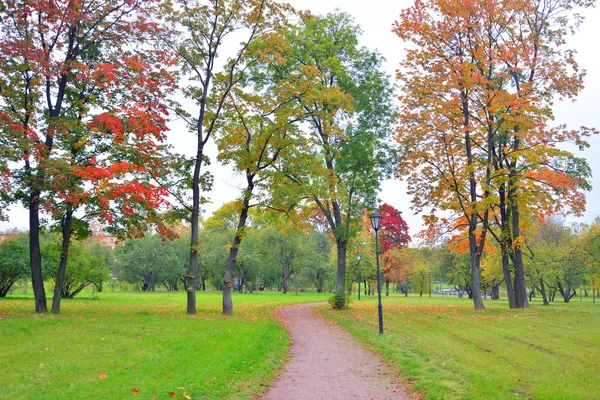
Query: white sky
{"x": 376, "y": 18}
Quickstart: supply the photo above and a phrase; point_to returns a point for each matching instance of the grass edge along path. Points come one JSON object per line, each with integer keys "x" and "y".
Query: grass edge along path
{"x": 447, "y": 350}
{"x": 143, "y": 346}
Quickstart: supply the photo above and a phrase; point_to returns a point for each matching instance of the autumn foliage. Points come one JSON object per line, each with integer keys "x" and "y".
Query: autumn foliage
{"x": 82, "y": 114}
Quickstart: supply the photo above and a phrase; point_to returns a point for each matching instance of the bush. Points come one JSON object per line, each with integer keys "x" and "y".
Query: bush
{"x": 339, "y": 301}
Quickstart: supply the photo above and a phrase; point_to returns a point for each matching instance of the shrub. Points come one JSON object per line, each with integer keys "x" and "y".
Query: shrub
{"x": 339, "y": 301}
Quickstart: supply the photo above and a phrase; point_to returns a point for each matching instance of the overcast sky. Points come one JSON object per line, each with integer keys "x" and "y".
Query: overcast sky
{"x": 376, "y": 18}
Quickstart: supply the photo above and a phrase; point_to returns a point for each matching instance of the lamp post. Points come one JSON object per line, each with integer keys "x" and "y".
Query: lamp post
{"x": 376, "y": 222}
{"x": 358, "y": 266}
{"x": 429, "y": 286}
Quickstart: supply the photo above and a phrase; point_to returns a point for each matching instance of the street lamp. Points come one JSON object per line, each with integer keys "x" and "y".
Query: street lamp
{"x": 429, "y": 288}
{"x": 358, "y": 266}
{"x": 376, "y": 222}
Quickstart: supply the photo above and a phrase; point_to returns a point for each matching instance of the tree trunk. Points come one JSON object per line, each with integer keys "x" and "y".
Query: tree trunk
{"x": 476, "y": 275}
{"x": 517, "y": 257}
{"x": 284, "y": 282}
{"x": 35, "y": 256}
{"x": 243, "y": 275}
{"x": 191, "y": 279}
{"x": 510, "y": 292}
{"x": 519, "y": 284}
{"x": 64, "y": 256}
{"x": 495, "y": 292}
{"x": 148, "y": 282}
{"x": 475, "y": 248}
{"x": 235, "y": 246}
{"x": 340, "y": 282}
{"x": 543, "y": 292}
{"x": 387, "y": 287}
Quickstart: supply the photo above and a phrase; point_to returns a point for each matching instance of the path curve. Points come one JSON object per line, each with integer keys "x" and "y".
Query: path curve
{"x": 328, "y": 363}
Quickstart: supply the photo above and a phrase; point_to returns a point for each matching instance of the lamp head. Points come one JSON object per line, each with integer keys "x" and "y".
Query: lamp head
{"x": 376, "y": 220}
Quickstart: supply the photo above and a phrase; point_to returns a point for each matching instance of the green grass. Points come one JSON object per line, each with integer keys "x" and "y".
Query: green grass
{"x": 447, "y": 350}
{"x": 142, "y": 345}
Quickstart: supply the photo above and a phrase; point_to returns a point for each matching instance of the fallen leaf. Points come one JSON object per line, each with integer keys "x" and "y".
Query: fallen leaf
{"x": 172, "y": 394}
{"x": 103, "y": 376}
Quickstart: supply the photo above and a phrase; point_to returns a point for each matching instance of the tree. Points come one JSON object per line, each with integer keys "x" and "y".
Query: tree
{"x": 394, "y": 230}
{"x": 479, "y": 87}
{"x": 259, "y": 135}
{"x": 13, "y": 261}
{"x": 492, "y": 274}
{"x": 347, "y": 129}
{"x": 203, "y": 29}
{"x": 556, "y": 262}
{"x": 316, "y": 266}
{"x": 80, "y": 107}
{"x": 393, "y": 235}
{"x": 419, "y": 278}
{"x": 151, "y": 260}
{"x": 398, "y": 265}
{"x": 87, "y": 264}
{"x": 588, "y": 244}
{"x": 438, "y": 137}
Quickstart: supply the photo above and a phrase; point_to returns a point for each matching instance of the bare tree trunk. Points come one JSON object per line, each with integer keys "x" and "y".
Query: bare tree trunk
{"x": 520, "y": 287}
{"x": 35, "y": 256}
{"x": 242, "y": 271}
{"x": 64, "y": 256}
{"x": 235, "y": 246}
{"x": 340, "y": 282}
{"x": 193, "y": 268}
{"x": 284, "y": 282}
{"x": 543, "y": 292}
{"x": 476, "y": 274}
{"x": 510, "y": 292}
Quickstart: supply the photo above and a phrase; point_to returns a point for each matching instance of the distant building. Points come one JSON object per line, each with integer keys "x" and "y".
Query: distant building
{"x": 8, "y": 235}
{"x": 107, "y": 240}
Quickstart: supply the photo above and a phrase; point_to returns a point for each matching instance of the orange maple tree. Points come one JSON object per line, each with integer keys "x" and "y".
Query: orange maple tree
{"x": 476, "y": 127}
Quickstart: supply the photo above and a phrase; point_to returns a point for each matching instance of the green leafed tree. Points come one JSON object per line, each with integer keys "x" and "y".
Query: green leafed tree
{"x": 349, "y": 107}
{"x": 204, "y": 30}
{"x": 150, "y": 261}
{"x": 87, "y": 264}
{"x": 14, "y": 261}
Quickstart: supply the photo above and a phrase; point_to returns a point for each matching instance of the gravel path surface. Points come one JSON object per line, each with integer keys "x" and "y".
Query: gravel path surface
{"x": 328, "y": 363}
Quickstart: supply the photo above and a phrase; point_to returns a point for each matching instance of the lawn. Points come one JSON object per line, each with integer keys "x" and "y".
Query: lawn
{"x": 142, "y": 346}
{"x": 447, "y": 350}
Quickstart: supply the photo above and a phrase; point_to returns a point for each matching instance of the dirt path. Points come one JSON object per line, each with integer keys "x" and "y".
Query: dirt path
{"x": 328, "y": 363}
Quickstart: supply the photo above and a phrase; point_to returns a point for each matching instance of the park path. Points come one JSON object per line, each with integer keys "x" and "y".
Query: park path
{"x": 328, "y": 363}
